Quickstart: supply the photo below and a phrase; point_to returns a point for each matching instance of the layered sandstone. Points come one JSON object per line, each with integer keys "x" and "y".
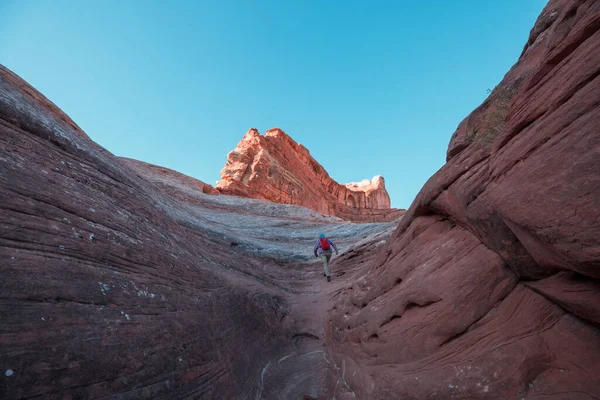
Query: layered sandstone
{"x": 489, "y": 288}
{"x": 274, "y": 167}
{"x": 120, "y": 279}
{"x": 166, "y": 178}
{"x": 125, "y": 280}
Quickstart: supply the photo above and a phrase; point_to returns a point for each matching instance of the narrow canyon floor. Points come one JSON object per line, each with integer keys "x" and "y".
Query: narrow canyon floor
{"x": 120, "y": 280}
{"x": 284, "y": 235}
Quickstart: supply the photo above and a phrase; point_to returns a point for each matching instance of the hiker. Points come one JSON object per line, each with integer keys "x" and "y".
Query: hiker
{"x": 323, "y": 249}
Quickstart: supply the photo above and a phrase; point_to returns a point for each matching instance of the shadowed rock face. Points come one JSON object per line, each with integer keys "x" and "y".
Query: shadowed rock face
{"x": 274, "y": 167}
{"x": 489, "y": 286}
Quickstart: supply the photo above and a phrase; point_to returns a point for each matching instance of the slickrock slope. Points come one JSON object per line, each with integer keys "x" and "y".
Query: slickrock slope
{"x": 274, "y": 167}
{"x": 123, "y": 280}
{"x": 489, "y": 287}
{"x": 165, "y": 177}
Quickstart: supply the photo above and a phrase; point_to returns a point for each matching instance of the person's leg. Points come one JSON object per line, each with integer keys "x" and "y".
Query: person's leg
{"x": 325, "y": 263}
{"x": 328, "y": 257}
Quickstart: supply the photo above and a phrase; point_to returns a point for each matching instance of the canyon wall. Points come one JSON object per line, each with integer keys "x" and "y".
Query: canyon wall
{"x": 489, "y": 287}
{"x": 274, "y": 167}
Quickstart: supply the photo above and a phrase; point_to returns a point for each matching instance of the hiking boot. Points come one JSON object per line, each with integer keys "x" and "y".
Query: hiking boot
{"x": 324, "y": 274}
{"x": 328, "y": 279}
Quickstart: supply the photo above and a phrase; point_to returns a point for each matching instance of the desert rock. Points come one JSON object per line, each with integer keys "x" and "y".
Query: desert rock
{"x": 274, "y": 167}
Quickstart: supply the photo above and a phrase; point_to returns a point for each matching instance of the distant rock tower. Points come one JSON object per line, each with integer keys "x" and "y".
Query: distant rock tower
{"x": 274, "y": 167}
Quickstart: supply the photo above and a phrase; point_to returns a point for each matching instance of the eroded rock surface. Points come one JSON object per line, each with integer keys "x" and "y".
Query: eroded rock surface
{"x": 488, "y": 288}
{"x": 166, "y": 178}
{"x": 120, "y": 279}
{"x": 124, "y": 280}
{"x": 274, "y": 167}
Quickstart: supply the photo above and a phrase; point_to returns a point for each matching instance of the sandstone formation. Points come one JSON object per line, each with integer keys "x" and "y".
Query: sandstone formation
{"x": 104, "y": 290}
{"x": 274, "y": 167}
{"x": 166, "y": 178}
{"x": 124, "y": 280}
{"x": 489, "y": 287}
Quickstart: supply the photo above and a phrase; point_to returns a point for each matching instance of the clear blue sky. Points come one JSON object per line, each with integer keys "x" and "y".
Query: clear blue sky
{"x": 370, "y": 88}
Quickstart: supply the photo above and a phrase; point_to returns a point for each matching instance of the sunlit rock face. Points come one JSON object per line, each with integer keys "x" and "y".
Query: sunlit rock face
{"x": 274, "y": 167}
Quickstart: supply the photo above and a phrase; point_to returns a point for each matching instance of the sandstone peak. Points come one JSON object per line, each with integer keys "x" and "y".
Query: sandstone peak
{"x": 367, "y": 185}
{"x": 252, "y": 132}
{"x": 276, "y": 132}
{"x": 275, "y": 167}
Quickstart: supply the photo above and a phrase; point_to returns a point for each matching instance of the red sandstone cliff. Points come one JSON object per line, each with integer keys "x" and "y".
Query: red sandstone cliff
{"x": 489, "y": 288}
{"x": 274, "y": 167}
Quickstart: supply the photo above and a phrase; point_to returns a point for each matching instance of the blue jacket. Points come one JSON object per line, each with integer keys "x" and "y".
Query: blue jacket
{"x": 318, "y": 250}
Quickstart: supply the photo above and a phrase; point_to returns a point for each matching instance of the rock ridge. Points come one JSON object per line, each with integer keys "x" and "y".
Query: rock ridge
{"x": 274, "y": 167}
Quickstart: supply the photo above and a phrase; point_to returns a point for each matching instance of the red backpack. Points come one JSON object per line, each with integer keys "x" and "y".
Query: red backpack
{"x": 324, "y": 243}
